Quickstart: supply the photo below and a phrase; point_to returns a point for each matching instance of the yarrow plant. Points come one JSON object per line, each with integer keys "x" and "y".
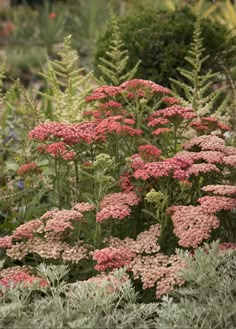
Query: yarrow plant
{"x": 130, "y": 186}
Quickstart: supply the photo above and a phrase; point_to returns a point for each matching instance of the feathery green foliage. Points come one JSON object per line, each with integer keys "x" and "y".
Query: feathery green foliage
{"x": 112, "y": 67}
{"x": 67, "y": 85}
{"x": 196, "y": 86}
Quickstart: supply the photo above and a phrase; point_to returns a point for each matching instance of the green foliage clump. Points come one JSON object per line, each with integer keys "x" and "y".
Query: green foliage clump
{"x": 208, "y": 299}
{"x": 161, "y": 40}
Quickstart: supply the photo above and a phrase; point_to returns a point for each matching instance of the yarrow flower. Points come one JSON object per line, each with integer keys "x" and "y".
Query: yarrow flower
{"x": 215, "y": 204}
{"x": 28, "y": 168}
{"x": 175, "y": 111}
{"x": 115, "y": 211}
{"x": 176, "y": 167}
{"x": 192, "y": 224}
{"x": 206, "y": 143}
{"x": 198, "y": 168}
{"x": 149, "y": 152}
{"x": 220, "y": 189}
{"x": 24, "y": 279}
{"x": 59, "y": 150}
{"x": 111, "y": 258}
{"x": 230, "y": 160}
{"x": 69, "y": 133}
{"x": 117, "y": 205}
{"x": 83, "y": 207}
{"x": 171, "y": 100}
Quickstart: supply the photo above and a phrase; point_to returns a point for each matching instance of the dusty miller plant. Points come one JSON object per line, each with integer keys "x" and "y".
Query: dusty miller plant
{"x": 80, "y": 305}
{"x": 208, "y": 299}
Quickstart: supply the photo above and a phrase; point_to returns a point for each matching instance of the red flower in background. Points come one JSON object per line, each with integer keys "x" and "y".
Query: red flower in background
{"x": 52, "y": 15}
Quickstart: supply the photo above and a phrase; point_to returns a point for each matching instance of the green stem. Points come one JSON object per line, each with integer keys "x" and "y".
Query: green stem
{"x": 57, "y": 172}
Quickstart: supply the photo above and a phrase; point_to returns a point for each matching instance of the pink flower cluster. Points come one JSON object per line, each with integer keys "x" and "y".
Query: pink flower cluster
{"x": 160, "y": 270}
{"x": 220, "y": 189}
{"x": 171, "y": 100}
{"x": 175, "y": 112}
{"x": 132, "y": 88}
{"x": 23, "y": 278}
{"x": 209, "y": 124}
{"x": 116, "y": 124}
{"x": 111, "y": 258}
{"x": 192, "y": 224}
{"x": 206, "y": 143}
{"x": 215, "y": 204}
{"x": 28, "y": 168}
{"x": 46, "y": 237}
{"x": 70, "y": 134}
{"x": 59, "y": 150}
{"x": 117, "y": 205}
{"x": 173, "y": 166}
{"x": 148, "y": 265}
{"x": 149, "y": 152}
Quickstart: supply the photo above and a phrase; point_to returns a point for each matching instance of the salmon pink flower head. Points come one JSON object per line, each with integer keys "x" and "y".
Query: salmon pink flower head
{"x": 220, "y": 189}
{"x": 28, "y": 168}
{"x": 202, "y": 168}
{"x": 210, "y": 124}
{"x": 227, "y": 246}
{"x": 171, "y": 100}
{"x": 192, "y": 224}
{"x": 6, "y": 242}
{"x": 230, "y": 160}
{"x": 173, "y": 166}
{"x": 62, "y": 220}
{"x": 103, "y": 92}
{"x": 176, "y": 112}
{"x": 149, "y": 152}
{"x": 59, "y": 150}
{"x": 83, "y": 207}
{"x": 111, "y": 258}
{"x": 159, "y": 131}
{"x": 70, "y": 133}
{"x": 24, "y": 279}
{"x": 207, "y": 156}
{"x": 141, "y": 86}
{"x": 115, "y": 124}
{"x": 206, "y": 143}
{"x": 215, "y": 204}
{"x": 117, "y": 205}
{"x": 27, "y": 230}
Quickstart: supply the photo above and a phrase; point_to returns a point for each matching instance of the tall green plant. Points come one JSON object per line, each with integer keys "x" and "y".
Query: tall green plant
{"x": 67, "y": 85}
{"x": 113, "y": 66}
{"x": 196, "y": 88}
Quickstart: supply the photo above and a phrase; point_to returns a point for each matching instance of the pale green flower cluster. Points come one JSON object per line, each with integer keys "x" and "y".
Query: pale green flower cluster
{"x": 154, "y": 197}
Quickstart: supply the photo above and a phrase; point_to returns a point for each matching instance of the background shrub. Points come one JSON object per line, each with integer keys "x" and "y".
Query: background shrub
{"x": 161, "y": 41}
